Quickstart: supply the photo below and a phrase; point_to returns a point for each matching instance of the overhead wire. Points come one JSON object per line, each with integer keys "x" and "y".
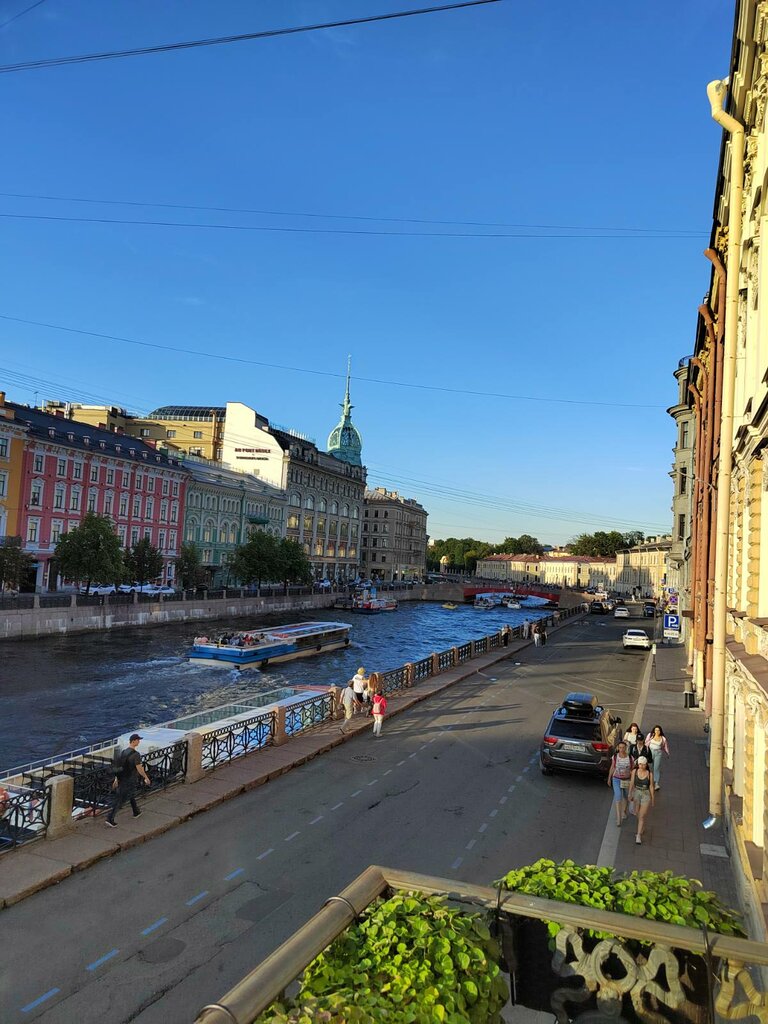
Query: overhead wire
{"x": 191, "y": 44}
{"x": 10, "y": 21}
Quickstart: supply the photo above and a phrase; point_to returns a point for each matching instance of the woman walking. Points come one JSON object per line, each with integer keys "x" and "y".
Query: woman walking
{"x": 619, "y": 777}
{"x": 379, "y": 710}
{"x": 536, "y": 636}
{"x": 641, "y": 749}
{"x": 658, "y": 745}
{"x": 642, "y": 792}
{"x": 632, "y": 734}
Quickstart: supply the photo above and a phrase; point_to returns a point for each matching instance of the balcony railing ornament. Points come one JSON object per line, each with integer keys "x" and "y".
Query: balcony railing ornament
{"x": 736, "y": 980}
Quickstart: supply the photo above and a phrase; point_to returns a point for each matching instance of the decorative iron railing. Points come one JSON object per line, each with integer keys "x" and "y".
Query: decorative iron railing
{"x": 445, "y": 660}
{"x": 494, "y": 640}
{"x": 465, "y": 653}
{"x": 395, "y": 679}
{"x": 166, "y": 765}
{"x": 232, "y": 741}
{"x": 307, "y": 713}
{"x": 24, "y": 816}
{"x": 481, "y": 645}
{"x": 55, "y": 600}
{"x": 422, "y": 669}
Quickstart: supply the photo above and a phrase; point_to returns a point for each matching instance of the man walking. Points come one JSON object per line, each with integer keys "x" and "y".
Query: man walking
{"x": 349, "y": 702}
{"x": 130, "y": 769}
{"x": 526, "y": 629}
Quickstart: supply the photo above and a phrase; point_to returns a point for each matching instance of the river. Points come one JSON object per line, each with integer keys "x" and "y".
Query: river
{"x": 60, "y": 693}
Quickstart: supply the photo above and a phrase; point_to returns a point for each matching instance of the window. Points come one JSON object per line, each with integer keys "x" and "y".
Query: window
{"x": 74, "y": 500}
{"x": 383, "y": 558}
{"x": 163, "y": 511}
{"x": 208, "y": 530}
{"x": 56, "y": 529}
{"x": 308, "y": 524}
{"x": 170, "y": 433}
{"x": 223, "y": 533}
{"x": 175, "y": 488}
{"x": 174, "y": 512}
{"x": 144, "y": 432}
{"x": 121, "y": 531}
{"x": 173, "y": 541}
{"x": 681, "y": 526}
{"x": 139, "y": 481}
{"x": 123, "y": 504}
{"x": 77, "y": 470}
{"x": 39, "y": 463}
{"x": 161, "y": 540}
{"x": 36, "y": 494}
{"x": 3, "y": 447}
{"x": 148, "y": 534}
{"x": 375, "y": 527}
{"x": 3, "y": 485}
{"x": 345, "y": 510}
{"x": 309, "y": 502}
{"x": 61, "y": 467}
{"x": 108, "y": 500}
{"x": 149, "y": 508}
{"x": 134, "y": 536}
{"x": 683, "y": 480}
{"x": 196, "y": 451}
{"x": 684, "y": 431}
{"x": 334, "y": 508}
{"x": 197, "y": 434}
{"x": 110, "y": 477}
{"x": 33, "y": 529}
{"x": 92, "y": 499}
{"x": 165, "y": 485}
{"x": 94, "y": 474}
{"x": 151, "y": 484}
{"x": 355, "y": 512}
{"x": 293, "y": 521}
{"x": 295, "y": 500}
{"x": 322, "y": 505}
{"x": 375, "y": 514}
{"x": 126, "y": 479}
{"x": 136, "y": 507}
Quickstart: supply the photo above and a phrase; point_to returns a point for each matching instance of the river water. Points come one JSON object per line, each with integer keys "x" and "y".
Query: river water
{"x": 60, "y": 693}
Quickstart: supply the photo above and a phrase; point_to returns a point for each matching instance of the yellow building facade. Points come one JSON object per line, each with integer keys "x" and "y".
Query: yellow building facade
{"x": 12, "y": 438}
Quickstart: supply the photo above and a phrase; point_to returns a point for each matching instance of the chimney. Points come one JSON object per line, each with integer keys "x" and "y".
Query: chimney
{"x": 2, "y": 399}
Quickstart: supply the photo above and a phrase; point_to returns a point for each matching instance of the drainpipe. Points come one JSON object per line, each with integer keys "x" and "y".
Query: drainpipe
{"x": 716, "y": 92}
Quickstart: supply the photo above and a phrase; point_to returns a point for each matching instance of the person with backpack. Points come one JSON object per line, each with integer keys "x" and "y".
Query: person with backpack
{"x": 379, "y": 710}
{"x": 349, "y": 703}
{"x": 622, "y": 766}
{"x": 129, "y": 770}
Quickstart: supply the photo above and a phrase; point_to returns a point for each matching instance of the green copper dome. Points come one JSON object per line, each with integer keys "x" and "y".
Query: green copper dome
{"x": 344, "y": 441}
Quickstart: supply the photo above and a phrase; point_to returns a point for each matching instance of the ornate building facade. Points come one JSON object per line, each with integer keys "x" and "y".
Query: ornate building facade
{"x": 394, "y": 541}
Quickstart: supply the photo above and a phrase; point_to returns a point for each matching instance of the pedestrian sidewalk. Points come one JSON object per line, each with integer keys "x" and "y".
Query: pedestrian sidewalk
{"x": 674, "y": 839}
{"x": 40, "y": 864}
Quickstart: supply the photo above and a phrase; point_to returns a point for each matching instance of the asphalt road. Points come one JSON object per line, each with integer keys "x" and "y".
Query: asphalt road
{"x": 451, "y": 788}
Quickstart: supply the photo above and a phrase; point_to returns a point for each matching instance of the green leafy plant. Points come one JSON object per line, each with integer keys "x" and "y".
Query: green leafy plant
{"x": 410, "y": 959}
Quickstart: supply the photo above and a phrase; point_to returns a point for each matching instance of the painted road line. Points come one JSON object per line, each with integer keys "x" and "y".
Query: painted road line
{"x": 315, "y": 820}
{"x": 292, "y": 836}
{"x": 233, "y": 874}
{"x": 196, "y": 899}
{"x": 388, "y": 771}
{"x": 400, "y": 763}
{"x": 470, "y": 844}
{"x": 338, "y": 805}
{"x": 527, "y": 768}
{"x": 40, "y": 999}
{"x": 373, "y": 782}
{"x": 423, "y": 746}
{"x": 266, "y": 853}
{"x": 503, "y": 800}
{"x": 494, "y": 812}
{"x": 102, "y": 960}
{"x": 357, "y": 792}
{"x": 413, "y": 754}
{"x": 456, "y": 863}
{"x": 519, "y": 778}
{"x": 156, "y": 925}
{"x": 511, "y": 789}
{"x": 483, "y": 827}
{"x": 433, "y": 739}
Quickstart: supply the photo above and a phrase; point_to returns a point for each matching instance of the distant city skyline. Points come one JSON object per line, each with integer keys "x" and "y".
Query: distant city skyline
{"x": 368, "y": 144}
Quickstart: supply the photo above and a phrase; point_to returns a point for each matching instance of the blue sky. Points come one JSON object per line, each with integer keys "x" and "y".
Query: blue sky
{"x": 588, "y": 115}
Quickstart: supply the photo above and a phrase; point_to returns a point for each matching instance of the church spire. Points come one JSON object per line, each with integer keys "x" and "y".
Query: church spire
{"x": 344, "y": 441}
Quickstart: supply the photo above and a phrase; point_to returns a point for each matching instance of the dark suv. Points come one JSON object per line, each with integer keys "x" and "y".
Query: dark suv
{"x": 580, "y": 737}
{"x": 598, "y": 608}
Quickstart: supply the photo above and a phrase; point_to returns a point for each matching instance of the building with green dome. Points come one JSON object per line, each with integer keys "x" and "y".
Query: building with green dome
{"x": 344, "y": 441}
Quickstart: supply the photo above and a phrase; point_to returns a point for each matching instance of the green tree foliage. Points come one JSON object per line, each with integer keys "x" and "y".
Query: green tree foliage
{"x": 189, "y": 567}
{"x": 525, "y": 544}
{"x": 15, "y": 562}
{"x": 143, "y": 562}
{"x": 91, "y": 553}
{"x": 293, "y": 562}
{"x": 602, "y": 543}
{"x": 258, "y": 560}
{"x": 462, "y": 553}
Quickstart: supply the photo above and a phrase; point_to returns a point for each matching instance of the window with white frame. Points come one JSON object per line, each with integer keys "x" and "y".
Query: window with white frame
{"x": 139, "y": 481}
{"x": 165, "y": 485}
{"x": 174, "y": 512}
{"x": 33, "y": 530}
{"x": 3, "y": 447}
{"x": 148, "y": 534}
{"x": 121, "y": 533}
{"x": 123, "y": 505}
{"x": 175, "y": 489}
{"x": 126, "y": 479}
{"x": 151, "y": 484}
{"x": 173, "y": 540}
{"x": 136, "y": 507}
{"x": 110, "y": 477}
{"x": 74, "y": 500}
{"x": 61, "y": 467}
{"x": 163, "y": 511}
{"x": 77, "y": 470}
{"x": 161, "y": 540}
{"x": 3, "y": 485}
{"x": 108, "y": 500}
{"x": 149, "y": 508}
{"x": 94, "y": 473}
{"x": 92, "y": 495}
{"x": 57, "y": 527}
{"x": 39, "y": 463}
{"x": 134, "y": 536}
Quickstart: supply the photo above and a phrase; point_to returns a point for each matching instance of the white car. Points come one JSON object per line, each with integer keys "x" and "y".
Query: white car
{"x": 636, "y": 638}
{"x": 145, "y": 588}
{"x": 99, "y": 589}
{"x": 621, "y": 612}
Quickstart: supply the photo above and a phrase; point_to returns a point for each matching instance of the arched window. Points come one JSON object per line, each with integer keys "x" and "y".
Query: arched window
{"x": 345, "y": 509}
{"x": 295, "y": 500}
{"x": 209, "y": 529}
{"x": 355, "y": 512}
{"x": 322, "y": 505}
{"x": 223, "y": 533}
{"x": 334, "y": 508}
{"x": 191, "y": 531}
{"x": 233, "y": 534}
{"x": 309, "y": 502}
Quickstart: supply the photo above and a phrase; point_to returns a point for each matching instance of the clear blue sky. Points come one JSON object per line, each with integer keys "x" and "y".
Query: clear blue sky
{"x": 555, "y": 113}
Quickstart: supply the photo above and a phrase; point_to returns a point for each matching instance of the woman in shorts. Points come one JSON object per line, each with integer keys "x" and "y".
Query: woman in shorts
{"x": 642, "y": 793}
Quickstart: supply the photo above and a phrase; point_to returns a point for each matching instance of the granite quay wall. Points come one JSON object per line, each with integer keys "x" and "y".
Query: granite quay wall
{"x": 49, "y": 798}
{"x": 36, "y": 615}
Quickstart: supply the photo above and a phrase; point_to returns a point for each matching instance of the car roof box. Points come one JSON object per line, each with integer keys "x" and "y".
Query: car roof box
{"x": 580, "y": 703}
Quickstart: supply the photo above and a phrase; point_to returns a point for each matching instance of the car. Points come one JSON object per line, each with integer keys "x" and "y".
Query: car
{"x": 144, "y": 588}
{"x": 597, "y": 608}
{"x": 649, "y": 610}
{"x": 99, "y": 589}
{"x": 621, "y": 612}
{"x": 636, "y": 638}
{"x": 580, "y": 737}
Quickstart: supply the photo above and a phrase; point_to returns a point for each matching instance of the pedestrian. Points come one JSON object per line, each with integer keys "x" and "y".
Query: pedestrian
{"x": 359, "y": 685}
{"x": 349, "y": 703}
{"x": 619, "y": 777}
{"x": 657, "y": 742}
{"x": 129, "y": 771}
{"x": 536, "y": 636}
{"x": 379, "y": 710}
{"x": 505, "y": 631}
{"x": 542, "y": 634}
{"x": 631, "y": 735}
{"x": 641, "y": 794}
{"x": 526, "y": 629}
{"x": 641, "y": 749}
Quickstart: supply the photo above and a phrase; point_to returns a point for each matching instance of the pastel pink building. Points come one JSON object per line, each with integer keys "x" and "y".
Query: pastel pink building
{"x": 71, "y": 468}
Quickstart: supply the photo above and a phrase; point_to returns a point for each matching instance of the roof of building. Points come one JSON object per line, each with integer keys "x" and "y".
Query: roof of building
{"x": 382, "y": 494}
{"x": 344, "y": 441}
{"x": 216, "y": 474}
{"x": 187, "y": 412}
{"x": 85, "y": 437}
{"x": 546, "y": 558}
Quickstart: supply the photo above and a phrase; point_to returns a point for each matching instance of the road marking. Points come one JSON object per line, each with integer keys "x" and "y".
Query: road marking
{"x": 196, "y": 899}
{"x": 470, "y": 844}
{"x": 357, "y": 792}
{"x": 503, "y": 800}
{"x": 266, "y": 853}
{"x": 483, "y": 827}
{"x": 315, "y": 820}
{"x": 433, "y": 739}
{"x": 511, "y": 789}
{"x": 102, "y": 960}
{"x": 456, "y": 863}
{"x": 291, "y": 837}
{"x": 527, "y": 768}
{"x": 388, "y": 771}
{"x": 399, "y": 763}
{"x": 233, "y": 874}
{"x": 373, "y": 782}
{"x": 338, "y": 805}
{"x": 156, "y": 925}
{"x": 534, "y": 759}
{"x": 493, "y": 813}
{"x": 413, "y": 754}
{"x": 40, "y": 999}
{"x": 519, "y": 778}
{"x": 423, "y": 746}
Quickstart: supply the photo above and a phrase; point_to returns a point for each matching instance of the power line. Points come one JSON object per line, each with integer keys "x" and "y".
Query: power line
{"x": 682, "y": 232}
{"x": 191, "y": 44}
{"x": 318, "y": 373}
{"x": 21, "y": 14}
{"x": 283, "y": 229}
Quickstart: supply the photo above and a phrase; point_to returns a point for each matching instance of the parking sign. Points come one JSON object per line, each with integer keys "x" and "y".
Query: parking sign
{"x": 671, "y": 625}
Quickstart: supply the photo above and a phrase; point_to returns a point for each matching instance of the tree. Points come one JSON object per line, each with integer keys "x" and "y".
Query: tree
{"x": 189, "y": 567}
{"x": 15, "y": 562}
{"x": 525, "y": 544}
{"x": 143, "y": 562}
{"x": 293, "y": 563}
{"x": 91, "y": 552}
{"x": 603, "y": 543}
{"x": 258, "y": 559}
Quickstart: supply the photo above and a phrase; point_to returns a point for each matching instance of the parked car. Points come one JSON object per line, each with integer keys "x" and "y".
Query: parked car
{"x": 649, "y": 609}
{"x": 145, "y": 588}
{"x": 636, "y": 638}
{"x": 580, "y": 737}
{"x": 99, "y": 589}
{"x": 621, "y": 612}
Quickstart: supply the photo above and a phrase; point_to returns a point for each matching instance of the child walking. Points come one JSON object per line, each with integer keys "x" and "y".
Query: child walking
{"x": 379, "y": 710}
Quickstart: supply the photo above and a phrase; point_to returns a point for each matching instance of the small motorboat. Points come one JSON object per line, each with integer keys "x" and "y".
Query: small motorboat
{"x": 450, "y": 607}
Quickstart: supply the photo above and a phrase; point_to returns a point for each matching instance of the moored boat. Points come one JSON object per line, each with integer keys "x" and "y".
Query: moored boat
{"x": 366, "y": 602}
{"x": 450, "y": 607}
{"x": 259, "y": 647}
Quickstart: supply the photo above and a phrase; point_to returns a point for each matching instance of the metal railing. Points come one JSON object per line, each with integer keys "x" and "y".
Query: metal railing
{"x": 445, "y": 659}
{"x": 465, "y": 652}
{"x": 55, "y": 600}
{"x": 653, "y": 972}
{"x": 232, "y": 741}
{"x": 422, "y": 669}
{"x": 24, "y": 816}
{"x": 395, "y": 679}
{"x": 308, "y": 713}
{"x": 481, "y": 645}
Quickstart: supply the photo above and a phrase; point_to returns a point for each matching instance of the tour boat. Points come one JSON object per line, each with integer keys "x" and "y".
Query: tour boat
{"x": 259, "y": 647}
{"x": 371, "y": 605}
{"x": 450, "y": 607}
